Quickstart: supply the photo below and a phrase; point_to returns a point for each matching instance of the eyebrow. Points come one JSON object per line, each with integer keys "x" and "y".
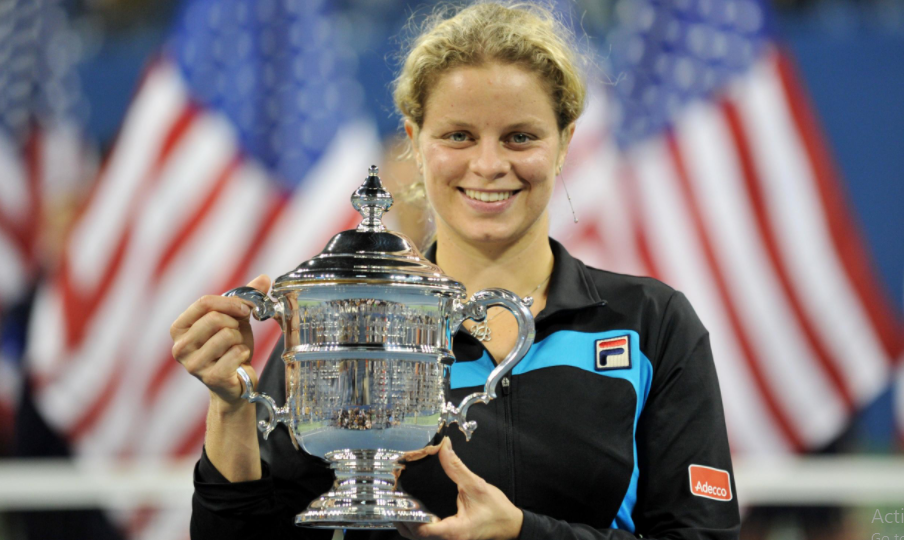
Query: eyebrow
{"x": 528, "y": 124}
{"x": 525, "y": 124}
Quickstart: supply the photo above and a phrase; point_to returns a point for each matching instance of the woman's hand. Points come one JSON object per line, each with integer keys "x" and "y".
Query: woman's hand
{"x": 484, "y": 512}
{"x": 212, "y": 338}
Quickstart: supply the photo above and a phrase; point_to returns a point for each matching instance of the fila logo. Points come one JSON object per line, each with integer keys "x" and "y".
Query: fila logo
{"x": 613, "y": 353}
{"x": 710, "y": 483}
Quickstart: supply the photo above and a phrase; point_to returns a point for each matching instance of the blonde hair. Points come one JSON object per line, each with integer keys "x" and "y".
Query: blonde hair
{"x": 523, "y": 34}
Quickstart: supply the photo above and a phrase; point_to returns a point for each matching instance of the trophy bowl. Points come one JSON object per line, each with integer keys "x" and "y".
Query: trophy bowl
{"x": 368, "y": 327}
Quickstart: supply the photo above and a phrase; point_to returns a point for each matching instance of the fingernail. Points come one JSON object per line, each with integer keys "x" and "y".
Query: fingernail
{"x": 245, "y": 309}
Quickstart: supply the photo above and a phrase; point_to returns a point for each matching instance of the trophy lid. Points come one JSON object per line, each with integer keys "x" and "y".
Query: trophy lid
{"x": 370, "y": 254}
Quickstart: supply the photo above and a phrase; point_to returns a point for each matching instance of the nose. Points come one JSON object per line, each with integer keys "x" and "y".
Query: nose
{"x": 490, "y": 161}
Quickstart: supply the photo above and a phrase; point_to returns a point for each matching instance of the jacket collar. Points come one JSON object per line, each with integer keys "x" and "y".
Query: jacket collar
{"x": 570, "y": 286}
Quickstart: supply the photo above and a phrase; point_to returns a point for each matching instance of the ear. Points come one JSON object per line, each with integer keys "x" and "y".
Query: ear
{"x": 411, "y": 131}
{"x": 570, "y": 133}
{"x": 564, "y": 142}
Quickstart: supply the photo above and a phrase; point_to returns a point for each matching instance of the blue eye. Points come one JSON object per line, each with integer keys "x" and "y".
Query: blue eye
{"x": 520, "y": 138}
{"x": 458, "y": 136}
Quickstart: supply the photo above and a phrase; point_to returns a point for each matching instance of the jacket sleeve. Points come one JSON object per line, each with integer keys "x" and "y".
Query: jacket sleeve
{"x": 265, "y": 508}
{"x": 242, "y": 510}
{"x": 682, "y": 424}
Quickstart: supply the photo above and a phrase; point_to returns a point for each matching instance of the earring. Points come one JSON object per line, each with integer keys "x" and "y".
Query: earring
{"x": 570, "y": 204}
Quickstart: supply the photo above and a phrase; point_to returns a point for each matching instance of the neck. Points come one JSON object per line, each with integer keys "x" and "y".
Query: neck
{"x": 518, "y": 266}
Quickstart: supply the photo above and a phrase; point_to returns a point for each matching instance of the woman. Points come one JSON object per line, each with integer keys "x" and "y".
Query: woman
{"x": 611, "y": 427}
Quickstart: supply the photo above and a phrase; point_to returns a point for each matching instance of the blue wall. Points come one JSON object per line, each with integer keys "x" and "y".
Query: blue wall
{"x": 855, "y": 77}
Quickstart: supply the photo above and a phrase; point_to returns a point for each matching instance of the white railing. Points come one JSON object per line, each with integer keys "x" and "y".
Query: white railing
{"x": 805, "y": 481}
{"x": 33, "y": 484}
{"x": 56, "y": 484}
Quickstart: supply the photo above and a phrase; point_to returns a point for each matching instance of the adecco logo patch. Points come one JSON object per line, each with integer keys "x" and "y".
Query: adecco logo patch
{"x": 710, "y": 483}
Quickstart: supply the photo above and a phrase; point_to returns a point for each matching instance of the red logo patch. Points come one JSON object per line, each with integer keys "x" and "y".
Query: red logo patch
{"x": 710, "y": 483}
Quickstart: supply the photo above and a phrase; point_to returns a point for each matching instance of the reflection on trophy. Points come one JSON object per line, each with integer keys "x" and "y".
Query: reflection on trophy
{"x": 368, "y": 326}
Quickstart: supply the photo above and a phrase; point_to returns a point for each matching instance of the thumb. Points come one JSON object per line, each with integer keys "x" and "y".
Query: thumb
{"x": 454, "y": 467}
{"x": 261, "y": 283}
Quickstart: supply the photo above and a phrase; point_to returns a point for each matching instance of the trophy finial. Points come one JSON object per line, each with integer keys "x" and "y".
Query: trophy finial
{"x": 372, "y": 200}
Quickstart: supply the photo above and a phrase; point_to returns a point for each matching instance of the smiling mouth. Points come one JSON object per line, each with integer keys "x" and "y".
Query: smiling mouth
{"x": 488, "y": 196}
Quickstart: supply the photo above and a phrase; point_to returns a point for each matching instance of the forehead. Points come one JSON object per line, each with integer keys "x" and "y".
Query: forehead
{"x": 491, "y": 91}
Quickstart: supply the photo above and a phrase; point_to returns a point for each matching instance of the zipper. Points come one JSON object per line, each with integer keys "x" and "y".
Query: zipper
{"x": 509, "y": 434}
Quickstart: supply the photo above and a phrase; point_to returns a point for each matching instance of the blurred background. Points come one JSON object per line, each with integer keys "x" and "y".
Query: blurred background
{"x": 748, "y": 153}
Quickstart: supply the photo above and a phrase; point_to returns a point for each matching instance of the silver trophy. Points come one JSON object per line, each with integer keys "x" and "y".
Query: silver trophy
{"x": 368, "y": 327}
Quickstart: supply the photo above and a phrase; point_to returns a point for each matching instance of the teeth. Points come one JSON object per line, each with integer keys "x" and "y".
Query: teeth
{"x": 488, "y": 196}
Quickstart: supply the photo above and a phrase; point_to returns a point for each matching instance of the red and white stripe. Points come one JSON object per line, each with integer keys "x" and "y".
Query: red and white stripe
{"x": 735, "y": 206}
{"x": 178, "y": 212}
{"x": 39, "y": 175}
{"x": 18, "y": 199}
{"x": 49, "y": 166}
{"x": 738, "y": 206}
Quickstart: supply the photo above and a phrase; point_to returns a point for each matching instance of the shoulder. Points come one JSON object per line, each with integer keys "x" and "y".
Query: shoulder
{"x": 662, "y": 315}
{"x": 624, "y": 288}
{"x": 631, "y": 292}
{"x": 603, "y": 285}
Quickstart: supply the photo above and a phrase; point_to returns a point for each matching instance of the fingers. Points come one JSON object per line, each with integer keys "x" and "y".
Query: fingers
{"x": 221, "y": 377}
{"x": 201, "y": 332}
{"x": 261, "y": 283}
{"x": 415, "y": 455}
{"x": 483, "y": 510}
{"x": 211, "y": 350}
{"x": 447, "y": 528}
{"x": 228, "y": 305}
{"x": 222, "y": 373}
{"x": 419, "y": 531}
{"x": 456, "y": 469}
{"x": 231, "y": 306}
{"x": 213, "y": 337}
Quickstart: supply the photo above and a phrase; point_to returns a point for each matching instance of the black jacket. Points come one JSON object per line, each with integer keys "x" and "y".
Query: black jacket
{"x": 602, "y": 431}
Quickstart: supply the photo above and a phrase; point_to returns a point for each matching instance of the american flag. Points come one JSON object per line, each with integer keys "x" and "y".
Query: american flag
{"x": 237, "y": 157}
{"x": 44, "y": 161}
{"x": 703, "y": 165}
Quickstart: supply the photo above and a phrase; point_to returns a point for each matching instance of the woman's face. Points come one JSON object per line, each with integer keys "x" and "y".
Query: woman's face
{"x": 488, "y": 149}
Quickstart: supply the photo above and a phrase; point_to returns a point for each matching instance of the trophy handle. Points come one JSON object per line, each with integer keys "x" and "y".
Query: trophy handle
{"x": 277, "y": 414}
{"x": 476, "y": 309}
{"x": 264, "y": 308}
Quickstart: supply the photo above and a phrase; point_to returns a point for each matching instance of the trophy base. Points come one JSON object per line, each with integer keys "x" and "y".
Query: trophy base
{"x": 365, "y": 495}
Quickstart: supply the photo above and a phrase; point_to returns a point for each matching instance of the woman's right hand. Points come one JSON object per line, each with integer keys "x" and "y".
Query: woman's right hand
{"x": 212, "y": 338}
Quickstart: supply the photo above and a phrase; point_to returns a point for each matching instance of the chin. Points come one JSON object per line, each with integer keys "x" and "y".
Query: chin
{"x": 489, "y": 232}
{"x": 484, "y": 236}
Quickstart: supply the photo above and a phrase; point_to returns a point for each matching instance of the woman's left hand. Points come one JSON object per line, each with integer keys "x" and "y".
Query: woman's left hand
{"x": 484, "y": 512}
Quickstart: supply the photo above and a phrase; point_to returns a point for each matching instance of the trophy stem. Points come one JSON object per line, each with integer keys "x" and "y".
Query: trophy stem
{"x": 365, "y": 494}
